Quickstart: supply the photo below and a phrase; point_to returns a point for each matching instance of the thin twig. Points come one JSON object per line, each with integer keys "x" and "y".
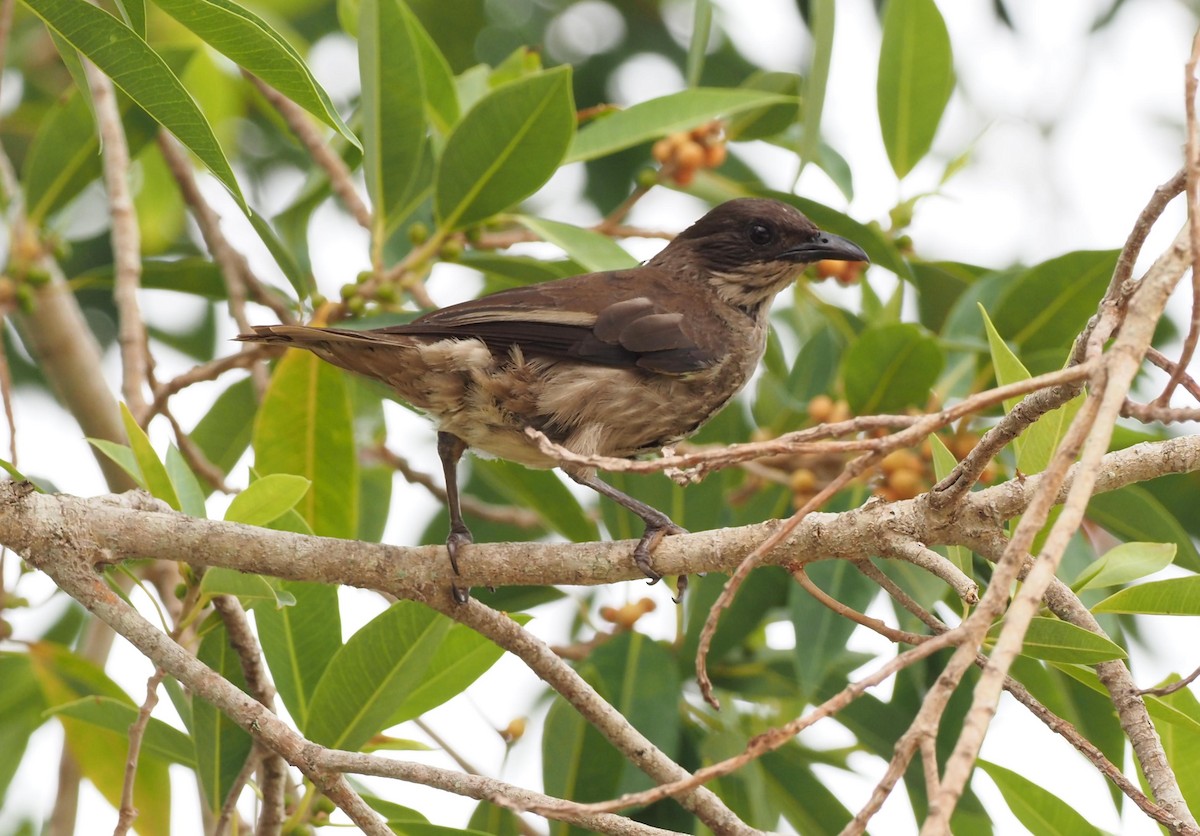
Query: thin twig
{"x": 126, "y": 240}
{"x": 1192, "y": 167}
{"x": 1177, "y": 685}
{"x": 137, "y": 732}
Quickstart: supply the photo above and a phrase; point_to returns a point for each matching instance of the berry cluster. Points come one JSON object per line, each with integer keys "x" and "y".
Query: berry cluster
{"x": 681, "y": 154}
{"x": 844, "y": 272}
{"x": 627, "y": 616}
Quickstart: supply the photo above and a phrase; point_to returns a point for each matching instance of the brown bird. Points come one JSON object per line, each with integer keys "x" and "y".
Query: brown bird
{"x": 617, "y": 364}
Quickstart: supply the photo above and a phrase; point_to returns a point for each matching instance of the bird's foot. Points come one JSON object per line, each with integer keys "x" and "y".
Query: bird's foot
{"x": 458, "y": 538}
{"x": 650, "y": 539}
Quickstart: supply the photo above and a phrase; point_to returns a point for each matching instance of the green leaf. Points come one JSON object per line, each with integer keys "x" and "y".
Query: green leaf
{"x": 155, "y": 473}
{"x": 462, "y": 657}
{"x": 221, "y": 745}
{"x": 393, "y": 107}
{"x": 916, "y": 77}
{"x": 543, "y": 492}
{"x": 187, "y": 486}
{"x": 821, "y": 633}
{"x": 652, "y": 119}
{"x": 1042, "y": 813}
{"x": 698, "y": 45}
{"x": 247, "y": 588}
{"x": 1176, "y": 596}
{"x": 298, "y": 642}
{"x": 373, "y": 674}
{"x": 64, "y": 156}
{"x": 642, "y": 680}
{"x": 305, "y": 427}
{"x": 1125, "y": 563}
{"x": 1036, "y": 446}
{"x": 266, "y": 499}
{"x": 65, "y": 677}
{"x": 821, "y": 21}
{"x": 1182, "y": 742}
{"x": 593, "y": 251}
{"x": 224, "y": 432}
{"x": 142, "y": 75}
{"x": 248, "y": 41}
{"x": 122, "y": 456}
{"x": 1133, "y": 513}
{"x": 505, "y": 148}
{"x": 889, "y": 368}
{"x": 578, "y": 763}
{"x": 1058, "y": 641}
{"x": 21, "y": 707}
{"x": 769, "y": 120}
{"x": 1046, "y": 306}
{"x": 160, "y": 741}
{"x": 943, "y": 463}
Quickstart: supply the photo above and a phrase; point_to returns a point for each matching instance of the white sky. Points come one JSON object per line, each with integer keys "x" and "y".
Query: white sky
{"x": 1116, "y": 103}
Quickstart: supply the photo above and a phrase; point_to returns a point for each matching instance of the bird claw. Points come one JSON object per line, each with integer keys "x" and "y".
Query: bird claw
{"x": 646, "y": 546}
{"x": 454, "y": 541}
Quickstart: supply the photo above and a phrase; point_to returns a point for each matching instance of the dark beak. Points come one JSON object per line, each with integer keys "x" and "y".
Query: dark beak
{"x": 827, "y": 245}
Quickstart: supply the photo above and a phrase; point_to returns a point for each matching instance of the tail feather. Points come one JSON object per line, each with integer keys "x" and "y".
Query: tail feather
{"x": 304, "y": 336}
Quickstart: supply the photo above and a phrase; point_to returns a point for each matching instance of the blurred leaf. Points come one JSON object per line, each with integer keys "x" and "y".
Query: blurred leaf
{"x": 821, "y": 633}
{"x": 1182, "y": 744}
{"x": 822, "y": 14}
{"x": 1133, "y": 514}
{"x": 652, "y": 119}
{"x": 247, "y": 588}
{"x": 192, "y": 275}
{"x": 267, "y": 498}
{"x": 889, "y": 368}
{"x": 578, "y": 763}
{"x": 593, "y": 251}
{"x": 376, "y": 670}
{"x": 800, "y": 794}
{"x": 223, "y": 434}
{"x": 1125, "y": 563}
{"x": 160, "y": 740}
{"x": 21, "y": 707}
{"x": 304, "y": 427}
{"x": 142, "y": 75}
{"x": 248, "y": 41}
{"x": 505, "y": 148}
{"x": 495, "y": 820}
{"x": 939, "y": 285}
{"x": 133, "y": 12}
{"x": 641, "y": 676}
{"x": 221, "y": 745}
{"x": 64, "y": 156}
{"x": 541, "y": 491}
{"x": 123, "y": 456}
{"x": 916, "y": 77}
{"x": 698, "y": 44}
{"x": 1058, "y": 641}
{"x": 65, "y": 677}
{"x": 1175, "y": 596}
{"x": 298, "y": 642}
{"x": 943, "y": 464}
{"x": 769, "y": 120}
{"x": 1047, "y": 305}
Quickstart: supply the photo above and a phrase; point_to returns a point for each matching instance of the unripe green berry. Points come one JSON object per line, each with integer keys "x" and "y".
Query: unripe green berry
{"x": 349, "y": 291}
{"x": 418, "y": 233}
{"x": 452, "y": 250}
{"x": 647, "y": 178}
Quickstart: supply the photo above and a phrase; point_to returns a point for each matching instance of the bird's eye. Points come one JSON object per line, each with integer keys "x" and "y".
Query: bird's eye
{"x": 761, "y": 234}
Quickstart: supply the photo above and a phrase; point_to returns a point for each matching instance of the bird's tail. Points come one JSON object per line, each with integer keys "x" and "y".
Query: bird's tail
{"x": 302, "y": 336}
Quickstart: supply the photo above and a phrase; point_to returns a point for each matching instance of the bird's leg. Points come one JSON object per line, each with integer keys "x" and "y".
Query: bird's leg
{"x": 450, "y": 449}
{"x": 658, "y": 524}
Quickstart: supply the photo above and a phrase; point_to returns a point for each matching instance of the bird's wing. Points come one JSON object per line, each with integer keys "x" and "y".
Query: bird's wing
{"x": 630, "y": 319}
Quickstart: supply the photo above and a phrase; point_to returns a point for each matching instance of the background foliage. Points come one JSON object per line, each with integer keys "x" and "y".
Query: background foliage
{"x": 468, "y": 129}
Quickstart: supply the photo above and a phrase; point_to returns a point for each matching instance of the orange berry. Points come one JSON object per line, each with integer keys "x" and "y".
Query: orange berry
{"x": 662, "y": 150}
{"x": 684, "y": 176}
{"x": 820, "y": 408}
{"x": 905, "y": 484}
{"x": 900, "y": 460}
{"x": 514, "y": 731}
{"x": 690, "y": 154}
{"x": 609, "y": 614}
{"x": 803, "y": 481}
{"x": 714, "y": 155}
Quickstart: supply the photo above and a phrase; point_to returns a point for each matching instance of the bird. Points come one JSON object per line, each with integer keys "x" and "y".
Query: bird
{"x": 619, "y": 363}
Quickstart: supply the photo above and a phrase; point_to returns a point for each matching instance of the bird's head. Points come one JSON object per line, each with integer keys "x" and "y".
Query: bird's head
{"x": 751, "y": 248}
